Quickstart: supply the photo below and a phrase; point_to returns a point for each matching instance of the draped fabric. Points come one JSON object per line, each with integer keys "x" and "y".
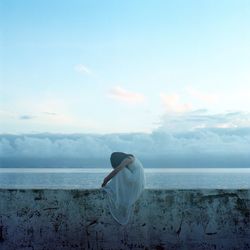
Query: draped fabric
{"x": 124, "y": 189}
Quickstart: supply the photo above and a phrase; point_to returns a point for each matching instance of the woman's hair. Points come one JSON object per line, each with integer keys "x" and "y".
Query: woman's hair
{"x": 117, "y": 157}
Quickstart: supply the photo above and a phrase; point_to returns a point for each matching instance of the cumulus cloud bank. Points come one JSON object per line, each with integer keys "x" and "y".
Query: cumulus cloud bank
{"x": 194, "y": 138}
{"x": 158, "y": 143}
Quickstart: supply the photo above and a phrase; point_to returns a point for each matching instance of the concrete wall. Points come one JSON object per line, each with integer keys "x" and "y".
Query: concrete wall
{"x": 162, "y": 219}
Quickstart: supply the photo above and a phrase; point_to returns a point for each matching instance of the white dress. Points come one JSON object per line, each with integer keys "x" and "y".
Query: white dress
{"x": 124, "y": 189}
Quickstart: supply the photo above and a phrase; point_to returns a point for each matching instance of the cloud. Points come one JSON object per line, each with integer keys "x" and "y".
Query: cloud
{"x": 4, "y": 114}
{"x": 194, "y": 138}
{"x": 43, "y": 117}
{"x": 172, "y": 103}
{"x": 26, "y": 117}
{"x": 122, "y": 94}
{"x": 80, "y": 68}
{"x": 201, "y": 147}
{"x": 201, "y": 118}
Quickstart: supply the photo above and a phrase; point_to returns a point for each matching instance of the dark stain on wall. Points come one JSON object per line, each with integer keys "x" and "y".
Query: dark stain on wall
{"x": 1, "y": 233}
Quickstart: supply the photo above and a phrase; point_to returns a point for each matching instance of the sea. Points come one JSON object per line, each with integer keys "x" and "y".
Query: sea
{"x": 156, "y": 178}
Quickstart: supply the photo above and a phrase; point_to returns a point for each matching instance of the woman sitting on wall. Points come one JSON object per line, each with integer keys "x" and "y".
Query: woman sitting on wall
{"x": 123, "y": 185}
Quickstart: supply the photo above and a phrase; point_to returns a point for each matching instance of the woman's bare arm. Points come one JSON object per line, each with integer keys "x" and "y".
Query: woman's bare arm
{"x": 125, "y": 162}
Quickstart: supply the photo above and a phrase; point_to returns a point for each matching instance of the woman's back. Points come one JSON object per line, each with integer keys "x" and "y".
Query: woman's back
{"x": 137, "y": 176}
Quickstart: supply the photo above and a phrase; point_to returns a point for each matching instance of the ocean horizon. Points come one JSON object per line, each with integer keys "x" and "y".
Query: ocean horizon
{"x": 160, "y": 178}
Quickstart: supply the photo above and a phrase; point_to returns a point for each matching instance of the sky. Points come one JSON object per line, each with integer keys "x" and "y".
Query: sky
{"x": 122, "y": 66}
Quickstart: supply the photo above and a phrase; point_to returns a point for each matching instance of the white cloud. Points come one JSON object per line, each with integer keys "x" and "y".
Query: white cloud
{"x": 82, "y": 69}
{"x": 214, "y": 141}
{"x": 173, "y": 104}
{"x": 122, "y": 94}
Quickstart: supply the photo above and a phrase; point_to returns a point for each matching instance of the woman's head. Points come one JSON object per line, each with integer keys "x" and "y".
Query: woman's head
{"x": 117, "y": 157}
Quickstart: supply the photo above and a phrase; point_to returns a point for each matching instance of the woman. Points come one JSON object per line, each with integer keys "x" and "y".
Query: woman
{"x": 123, "y": 185}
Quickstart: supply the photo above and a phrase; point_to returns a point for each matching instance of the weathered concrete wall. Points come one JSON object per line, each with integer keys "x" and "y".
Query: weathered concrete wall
{"x": 162, "y": 219}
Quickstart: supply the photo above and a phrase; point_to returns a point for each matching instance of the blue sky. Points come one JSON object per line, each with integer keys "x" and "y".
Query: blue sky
{"x": 124, "y": 66}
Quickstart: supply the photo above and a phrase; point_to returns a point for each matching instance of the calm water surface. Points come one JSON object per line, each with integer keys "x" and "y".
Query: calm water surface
{"x": 166, "y": 178}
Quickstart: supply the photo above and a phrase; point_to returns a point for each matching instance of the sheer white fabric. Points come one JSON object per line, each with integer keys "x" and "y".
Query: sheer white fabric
{"x": 124, "y": 189}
